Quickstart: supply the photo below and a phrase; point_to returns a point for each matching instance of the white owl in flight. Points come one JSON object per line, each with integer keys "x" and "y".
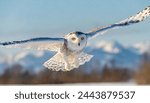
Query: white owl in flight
{"x": 69, "y": 50}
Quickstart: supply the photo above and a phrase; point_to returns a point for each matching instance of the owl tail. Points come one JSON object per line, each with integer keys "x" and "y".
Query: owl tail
{"x": 57, "y": 63}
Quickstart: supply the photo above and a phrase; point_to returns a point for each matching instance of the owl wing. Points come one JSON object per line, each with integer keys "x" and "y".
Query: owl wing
{"x": 52, "y": 44}
{"x": 131, "y": 20}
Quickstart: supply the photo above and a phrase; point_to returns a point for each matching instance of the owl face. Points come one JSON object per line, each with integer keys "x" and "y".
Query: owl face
{"x": 76, "y": 41}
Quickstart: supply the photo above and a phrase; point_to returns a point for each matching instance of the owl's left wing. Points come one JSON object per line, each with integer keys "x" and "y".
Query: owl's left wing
{"x": 131, "y": 20}
{"x": 52, "y": 44}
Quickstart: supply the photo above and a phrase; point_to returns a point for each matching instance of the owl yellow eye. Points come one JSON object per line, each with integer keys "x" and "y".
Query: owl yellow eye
{"x": 73, "y": 38}
{"x": 82, "y": 38}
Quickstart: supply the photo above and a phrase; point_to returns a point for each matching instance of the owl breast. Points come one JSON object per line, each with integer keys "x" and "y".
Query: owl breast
{"x": 75, "y": 47}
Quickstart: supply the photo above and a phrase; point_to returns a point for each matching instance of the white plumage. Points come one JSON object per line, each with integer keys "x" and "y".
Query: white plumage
{"x": 57, "y": 62}
{"x": 69, "y": 49}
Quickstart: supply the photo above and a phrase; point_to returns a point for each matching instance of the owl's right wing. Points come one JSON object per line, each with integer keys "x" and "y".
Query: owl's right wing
{"x": 45, "y": 43}
{"x": 139, "y": 17}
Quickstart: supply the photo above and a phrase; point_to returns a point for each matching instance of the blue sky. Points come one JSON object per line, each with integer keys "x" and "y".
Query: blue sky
{"x": 23, "y": 19}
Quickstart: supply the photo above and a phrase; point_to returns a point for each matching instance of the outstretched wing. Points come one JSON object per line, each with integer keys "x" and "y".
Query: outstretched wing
{"x": 131, "y": 20}
{"x": 52, "y": 44}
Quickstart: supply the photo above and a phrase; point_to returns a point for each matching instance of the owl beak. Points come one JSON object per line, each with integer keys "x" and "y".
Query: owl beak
{"x": 79, "y": 42}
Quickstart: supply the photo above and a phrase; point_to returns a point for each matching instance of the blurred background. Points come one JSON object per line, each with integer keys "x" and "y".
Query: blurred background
{"x": 120, "y": 56}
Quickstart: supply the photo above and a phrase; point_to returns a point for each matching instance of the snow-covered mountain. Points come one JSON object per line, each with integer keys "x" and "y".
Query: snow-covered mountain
{"x": 142, "y": 47}
{"x": 112, "y": 54}
{"x": 32, "y": 61}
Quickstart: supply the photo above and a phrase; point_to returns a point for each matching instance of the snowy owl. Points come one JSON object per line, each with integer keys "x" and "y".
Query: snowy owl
{"x": 69, "y": 49}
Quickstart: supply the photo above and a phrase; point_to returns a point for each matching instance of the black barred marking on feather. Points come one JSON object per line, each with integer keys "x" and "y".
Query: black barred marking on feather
{"x": 140, "y": 16}
{"x": 30, "y": 40}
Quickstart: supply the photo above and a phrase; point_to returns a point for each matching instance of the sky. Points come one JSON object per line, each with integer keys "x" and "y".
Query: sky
{"x": 24, "y": 19}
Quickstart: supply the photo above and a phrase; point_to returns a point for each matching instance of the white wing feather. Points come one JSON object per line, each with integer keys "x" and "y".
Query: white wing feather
{"x": 52, "y": 44}
{"x": 131, "y": 20}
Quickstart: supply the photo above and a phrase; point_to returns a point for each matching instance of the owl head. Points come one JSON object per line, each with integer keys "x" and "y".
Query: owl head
{"x": 76, "y": 41}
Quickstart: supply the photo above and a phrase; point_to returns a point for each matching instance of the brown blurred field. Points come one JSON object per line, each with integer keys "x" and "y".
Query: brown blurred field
{"x": 16, "y": 75}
